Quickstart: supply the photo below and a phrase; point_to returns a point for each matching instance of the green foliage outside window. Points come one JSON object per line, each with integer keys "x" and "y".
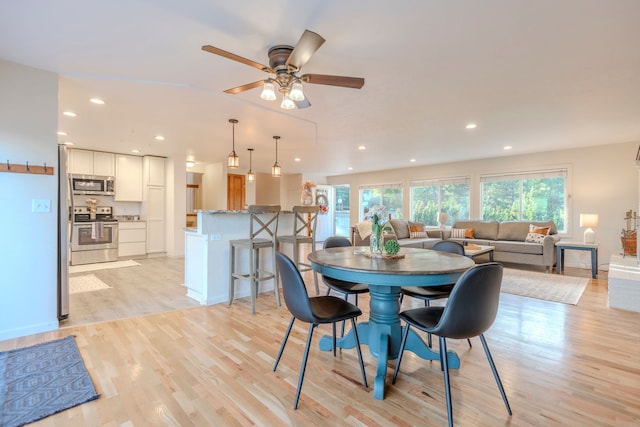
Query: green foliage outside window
{"x": 427, "y": 201}
{"x": 389, "y": 197}
{"x": 533, "y": 199}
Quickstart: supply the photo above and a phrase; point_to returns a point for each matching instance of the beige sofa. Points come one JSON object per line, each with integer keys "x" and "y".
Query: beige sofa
{"x": 508, "y": 238}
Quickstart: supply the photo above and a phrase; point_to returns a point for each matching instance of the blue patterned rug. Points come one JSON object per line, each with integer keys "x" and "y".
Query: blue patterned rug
{"x": 42, "y": 380}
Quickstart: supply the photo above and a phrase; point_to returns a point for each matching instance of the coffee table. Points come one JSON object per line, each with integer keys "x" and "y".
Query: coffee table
{"x": 472, "y": 252}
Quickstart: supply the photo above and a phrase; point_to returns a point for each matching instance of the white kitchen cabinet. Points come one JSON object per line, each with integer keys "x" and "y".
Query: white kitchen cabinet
{"x": 104, "y": 163}
{"x": 154, "y": 170}
{"x": 154, "y": 210}
{"x": 128, "y": 178}
{"x": 153, "y": 203}
{"x": 86, "y": 162}
{"x": 132, "y": 238}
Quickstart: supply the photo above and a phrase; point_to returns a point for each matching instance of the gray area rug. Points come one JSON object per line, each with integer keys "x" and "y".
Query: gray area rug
{"x": 42, "y": 380}
{"x": 544, "y": 286}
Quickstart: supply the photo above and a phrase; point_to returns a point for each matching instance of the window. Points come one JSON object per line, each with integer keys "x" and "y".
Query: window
{"x": 389, "y": 195}
{"x": 440, "y": 195}
{"x": 529, "y": 196}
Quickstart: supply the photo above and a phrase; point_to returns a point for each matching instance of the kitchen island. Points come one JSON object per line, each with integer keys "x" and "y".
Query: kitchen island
{"x": 207, "y": 255}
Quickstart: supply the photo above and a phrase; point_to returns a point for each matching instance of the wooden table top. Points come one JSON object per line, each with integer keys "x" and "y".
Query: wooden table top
{"x": 418, "y": 267}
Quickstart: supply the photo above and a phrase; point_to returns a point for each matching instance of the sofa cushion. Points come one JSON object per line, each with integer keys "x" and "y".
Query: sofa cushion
{"x": 482, "y": 229}
{"x": 518, "y": 247}
{"x": 400, "y": 228}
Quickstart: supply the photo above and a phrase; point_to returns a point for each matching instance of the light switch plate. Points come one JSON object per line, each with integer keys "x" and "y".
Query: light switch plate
{"x": 41, "y": 205}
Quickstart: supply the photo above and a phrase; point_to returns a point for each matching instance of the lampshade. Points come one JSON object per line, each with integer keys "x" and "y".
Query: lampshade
{"x": 276, "y": 171}
{"x": 296, "y": 93}
{"x": 589, "y": 220}
{"x": 251, "y": 176}
{"x": 233, "y": 161}
{"x": 268, "y": 91}
{"x": 443, "y": 217}
{"x": 287, "y": 103}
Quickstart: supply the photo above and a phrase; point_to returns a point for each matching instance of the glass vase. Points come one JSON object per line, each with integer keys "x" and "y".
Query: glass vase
{"x": 376, "y": 241}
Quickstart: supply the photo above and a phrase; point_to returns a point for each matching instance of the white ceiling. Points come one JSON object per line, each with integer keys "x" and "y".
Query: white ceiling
{"x": 537, "y": 75}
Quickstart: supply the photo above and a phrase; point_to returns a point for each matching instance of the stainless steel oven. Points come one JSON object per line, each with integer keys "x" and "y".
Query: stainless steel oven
{"x": 93, "y": 239}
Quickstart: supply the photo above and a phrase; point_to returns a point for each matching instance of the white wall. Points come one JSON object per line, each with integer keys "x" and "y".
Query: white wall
{"x": 267, "y": 189}
{"x": 176, "y": 195}
{"x": 28, "y": 253}
{"x": 602, "y": 180}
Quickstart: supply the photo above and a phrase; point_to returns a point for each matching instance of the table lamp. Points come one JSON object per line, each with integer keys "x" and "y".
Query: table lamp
{"x": 443, "y": 217}
{"x": 589, "y": 220}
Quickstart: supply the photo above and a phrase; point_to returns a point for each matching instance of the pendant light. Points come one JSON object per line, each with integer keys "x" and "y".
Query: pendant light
{"x": 251, "y": 175}
{"x": 233, "y": 161}
{"x": 276, "y": 171}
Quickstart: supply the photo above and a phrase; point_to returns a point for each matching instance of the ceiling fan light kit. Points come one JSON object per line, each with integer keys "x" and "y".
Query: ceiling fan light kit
{"x": 285, "y": 62}
{"x": 233, "y": 161}
{"x": 268, "y": 91}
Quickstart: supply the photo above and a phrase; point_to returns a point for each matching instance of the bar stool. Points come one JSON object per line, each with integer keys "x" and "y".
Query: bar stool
{"x": 263, "y": 220}
{"x": 304, "y": 231}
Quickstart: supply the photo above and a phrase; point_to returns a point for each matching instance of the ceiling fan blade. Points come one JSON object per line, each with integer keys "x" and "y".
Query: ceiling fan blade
{"x": 233, "y": 56}
{"x": 242, "y": 88}
{"x": 303, "y": 104}
{"x": 307, "y": 45}
{"x": 323, "y": 79}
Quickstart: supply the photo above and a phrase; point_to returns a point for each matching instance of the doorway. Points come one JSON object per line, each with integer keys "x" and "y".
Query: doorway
{"x": 342, "y": 217}
{"x": 235, "y": 192}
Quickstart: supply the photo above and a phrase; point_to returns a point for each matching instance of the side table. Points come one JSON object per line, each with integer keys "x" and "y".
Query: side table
{"x": 561, "y": 246}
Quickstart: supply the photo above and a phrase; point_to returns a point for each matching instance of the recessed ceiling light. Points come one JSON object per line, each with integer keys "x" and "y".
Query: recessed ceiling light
{"x": 97, "y": 101}
{"x": 350, "y": 168}
{"x": 135, "y": 151}
{"x": 69, "y": 114}
{"x": 412, "y": 160}
{"x": 362, "y": 147}
{"x": 159, "y": 138}
{"x": 62, "y": 133}
{"x": 67, "y": 143}
{"x": 297, "y": 159}
{"x": 507, "y": 147}
{"x": 190, "y": 164}
{"x": 471, "y": 126}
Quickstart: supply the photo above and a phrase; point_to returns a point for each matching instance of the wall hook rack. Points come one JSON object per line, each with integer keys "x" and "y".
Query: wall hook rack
{"x": 26, "y": 168}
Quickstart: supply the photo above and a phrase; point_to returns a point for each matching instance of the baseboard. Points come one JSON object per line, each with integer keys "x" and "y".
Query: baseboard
{"x": 29, "y": 330}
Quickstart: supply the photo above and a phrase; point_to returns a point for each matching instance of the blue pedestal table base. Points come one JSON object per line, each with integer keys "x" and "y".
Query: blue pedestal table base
{"x": 383, "y": 334}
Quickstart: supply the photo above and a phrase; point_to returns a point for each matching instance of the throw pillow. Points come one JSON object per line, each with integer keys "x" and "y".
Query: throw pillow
{"x": 462, "y": 233}
{"x": 534, "y": 238}
{"x": 417, "y": 231}
{"x": 539, "y": 230}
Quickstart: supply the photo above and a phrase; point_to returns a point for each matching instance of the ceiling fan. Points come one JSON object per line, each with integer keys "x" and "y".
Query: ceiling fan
{"x": 285, "y": 62}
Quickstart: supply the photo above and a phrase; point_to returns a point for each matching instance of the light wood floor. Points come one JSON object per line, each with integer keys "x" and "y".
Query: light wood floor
{"x": 561, "y": 365}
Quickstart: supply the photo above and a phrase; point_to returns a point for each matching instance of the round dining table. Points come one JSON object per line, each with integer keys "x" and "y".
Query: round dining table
{"x": 385, "y": 276}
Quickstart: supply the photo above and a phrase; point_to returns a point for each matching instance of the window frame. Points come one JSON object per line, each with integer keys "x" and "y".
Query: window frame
{"x": 395, "y": 185}
{"x": 554, "y": 172}
{"x": 439, "y": 182}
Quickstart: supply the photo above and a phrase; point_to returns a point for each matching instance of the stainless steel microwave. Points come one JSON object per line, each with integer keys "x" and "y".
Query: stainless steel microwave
{"x": 93, "y": 185}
